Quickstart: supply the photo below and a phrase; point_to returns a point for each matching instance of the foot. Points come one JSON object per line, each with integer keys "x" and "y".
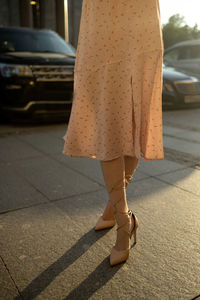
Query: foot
{"x": 128, "y": 225}
{"x": 104, "y": 224}
{"x": 107, "y": 220}
{"x": 108, "y": 212}
{"x": 125, "y": 226}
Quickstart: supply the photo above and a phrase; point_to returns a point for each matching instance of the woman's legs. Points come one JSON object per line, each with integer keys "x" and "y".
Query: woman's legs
{"x": 127, "y": 223}
{"x": 114, "y": 177}
{"x": 130, "y": 165}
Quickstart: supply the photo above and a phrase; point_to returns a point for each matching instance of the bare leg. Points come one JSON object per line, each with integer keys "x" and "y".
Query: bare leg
{"x": 114, "y": 177}
{"x": 131, "y": 164}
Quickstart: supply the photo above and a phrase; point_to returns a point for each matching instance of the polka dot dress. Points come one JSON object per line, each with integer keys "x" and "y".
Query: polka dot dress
{"x": 117, "y": 100}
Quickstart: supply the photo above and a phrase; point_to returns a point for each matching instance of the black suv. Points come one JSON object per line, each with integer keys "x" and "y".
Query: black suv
{"x": 36, "y": 74}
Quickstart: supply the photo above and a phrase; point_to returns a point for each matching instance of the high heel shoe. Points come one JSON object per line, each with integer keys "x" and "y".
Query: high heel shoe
{"x": 119, "y": 256}
{"x": 106, "y": 224}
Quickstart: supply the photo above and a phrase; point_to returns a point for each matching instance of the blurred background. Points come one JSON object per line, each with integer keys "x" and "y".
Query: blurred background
{"x": 62, "y": 16}
{"x": 38, "y": 41}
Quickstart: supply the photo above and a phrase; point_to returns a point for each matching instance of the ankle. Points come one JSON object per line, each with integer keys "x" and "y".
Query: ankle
{"x": 108, "y": 213}
{"x": 123, "y": 238}
{"x": 125, "y": 224}
{"x": 122, "y": 217}
{"x": 107, "y": 216}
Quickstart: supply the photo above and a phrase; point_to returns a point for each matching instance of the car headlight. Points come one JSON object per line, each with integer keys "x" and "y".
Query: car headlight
{"x": 168, "y": 87}
{"x": 189, "y": 87}
{"x": 9, "y": 70}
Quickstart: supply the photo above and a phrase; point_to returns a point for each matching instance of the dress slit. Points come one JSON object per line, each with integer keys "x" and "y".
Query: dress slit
{"x": 117, "y": 99}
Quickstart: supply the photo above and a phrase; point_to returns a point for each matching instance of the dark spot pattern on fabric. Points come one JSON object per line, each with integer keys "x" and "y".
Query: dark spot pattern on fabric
{"x": 117, "y": 100}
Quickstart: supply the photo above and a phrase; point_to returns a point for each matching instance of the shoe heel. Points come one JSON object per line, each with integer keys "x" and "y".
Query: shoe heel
{"x": 136, "y": 223}
{"x": 135, "y": 236}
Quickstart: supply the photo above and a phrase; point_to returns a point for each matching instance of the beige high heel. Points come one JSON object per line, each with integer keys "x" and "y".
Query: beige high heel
{"x": 119, "y": 256}
{"x": 106, "y": 224}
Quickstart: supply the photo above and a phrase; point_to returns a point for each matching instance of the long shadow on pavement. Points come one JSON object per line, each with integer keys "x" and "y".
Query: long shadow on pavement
{"x": 100, "y": 276}
{"x": 94, "y": 281}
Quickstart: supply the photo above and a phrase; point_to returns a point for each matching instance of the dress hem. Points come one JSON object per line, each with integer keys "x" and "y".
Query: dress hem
{"x": 79, "y": 155}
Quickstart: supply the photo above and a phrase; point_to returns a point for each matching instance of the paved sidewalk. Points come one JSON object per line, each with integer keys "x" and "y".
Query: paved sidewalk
{"x": 50, "y": 204}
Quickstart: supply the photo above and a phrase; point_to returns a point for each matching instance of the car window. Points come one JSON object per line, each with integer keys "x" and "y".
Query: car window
{"x": 189, "y": 52}
{"x": 171, "y": 55}
{"x": 181, "y": 53}
{"x": 184, "y": 53}
{"x": 195, "y": 51}
{"x": 34, "y": 42}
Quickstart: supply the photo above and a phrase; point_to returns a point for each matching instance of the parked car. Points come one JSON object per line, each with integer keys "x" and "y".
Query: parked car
{"x": 180, "y": 88}
{"x": 184, "y": 56}
{"x": 36, "y": 74}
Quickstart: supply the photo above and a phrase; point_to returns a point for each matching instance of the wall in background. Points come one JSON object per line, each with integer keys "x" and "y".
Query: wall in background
{"x": 49, "y": 14}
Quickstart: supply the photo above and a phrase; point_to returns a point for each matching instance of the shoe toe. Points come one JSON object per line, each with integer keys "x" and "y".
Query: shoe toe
{"x": 117, "y": 257}
{"x": 99, "y": 224}
{"x": 103, "y": 224}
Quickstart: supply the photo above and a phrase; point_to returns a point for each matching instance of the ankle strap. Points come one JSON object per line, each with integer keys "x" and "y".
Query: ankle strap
{"x": 130, "y": 214}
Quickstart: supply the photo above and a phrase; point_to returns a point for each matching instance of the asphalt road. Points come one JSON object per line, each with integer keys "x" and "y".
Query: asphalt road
{"x": 49, "y": 205}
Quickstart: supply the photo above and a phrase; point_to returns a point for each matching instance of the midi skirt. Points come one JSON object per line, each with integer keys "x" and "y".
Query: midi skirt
{"x": 117, "y": 98}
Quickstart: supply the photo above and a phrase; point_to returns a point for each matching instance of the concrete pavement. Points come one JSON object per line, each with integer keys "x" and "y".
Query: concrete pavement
{"x": 50, "y": 203}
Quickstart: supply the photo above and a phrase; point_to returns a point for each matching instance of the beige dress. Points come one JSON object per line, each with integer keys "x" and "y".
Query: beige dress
{"x": 117, "y": 101}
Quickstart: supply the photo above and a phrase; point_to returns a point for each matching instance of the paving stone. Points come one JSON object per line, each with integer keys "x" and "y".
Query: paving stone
{"x": 164, "y": 243}
{"x": 169, "y": 237}
{"x": 158, "y": 167}
{"x": 43, "y": 141}
{"x": 90, "y": 167}
{"x": 58, "y": 255}
{"x": 187, "y": 179}
{"x": 15, "y": 192}
{"x": 12, "y": 149}
{"x": 54, "y": 179}
{"x": 59, "y": 131}
{"x": 171, "y": 130}
{"x": 41, "y": 245}
{"x": 7, "y": 287}
{"x": 183, "y": 146}
{"x": 187, "y": 118}
{"x": 182, "y": 133}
